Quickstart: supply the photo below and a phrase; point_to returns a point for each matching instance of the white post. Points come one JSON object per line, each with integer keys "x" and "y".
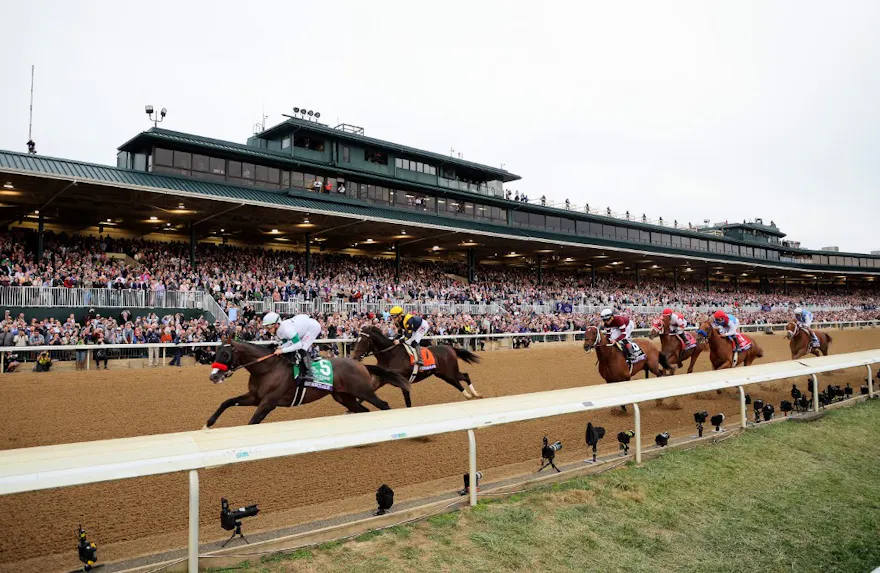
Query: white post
{"x": 163, "y": 356}
{"x": 638, "y": 431}
{"x": 193, "y": 547}
{"x": 88, "y": 359}
{"x": 870, "y": 382}
{"x": 815, "y": 393}
{"x": 742, "y": 406}
{"x": 472, "y": 466}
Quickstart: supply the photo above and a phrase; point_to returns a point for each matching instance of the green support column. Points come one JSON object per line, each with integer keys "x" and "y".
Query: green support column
{"x": 41, "y": 226}
{"x": 471, "y": 263}
{"x": 308, "y": 255}
{"x": 540, "y": 271}
{"x": 192, "y": 246}
{"x": 637, "y": 277}
{"x": 675, "y": 279}
{"x": 397, "y": 263}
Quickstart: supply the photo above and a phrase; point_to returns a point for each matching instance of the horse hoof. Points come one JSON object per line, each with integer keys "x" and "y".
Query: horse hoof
{"x": 206, "y": 427}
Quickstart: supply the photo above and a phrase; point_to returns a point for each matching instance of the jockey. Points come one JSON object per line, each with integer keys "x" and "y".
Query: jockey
{"x": 726, "y": 325}
{"x": 804, "y": 319}
{"x": 676, "y": 325}
{"x": 412, "y": 328}
{"x": 618, "y": 328}
{"x": 295, "y": 334}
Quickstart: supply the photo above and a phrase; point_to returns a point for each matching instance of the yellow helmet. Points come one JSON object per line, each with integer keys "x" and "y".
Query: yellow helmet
{"x": 396, "y": 311}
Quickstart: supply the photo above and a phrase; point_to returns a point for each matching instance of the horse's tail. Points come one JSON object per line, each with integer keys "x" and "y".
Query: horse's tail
{"x": 760, "y": 353}
{"x": 389, "y": 377}
{"x": 828, "y": 339}
{"x": 466, "y": 355}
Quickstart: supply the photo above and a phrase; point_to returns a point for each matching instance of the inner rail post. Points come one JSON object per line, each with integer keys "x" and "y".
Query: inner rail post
{"x": 193, "y": 544}
{"x": 638, "y": 431}
{"x": 472, "y": 466}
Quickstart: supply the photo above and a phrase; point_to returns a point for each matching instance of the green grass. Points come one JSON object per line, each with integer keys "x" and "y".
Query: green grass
{"x": 796, "y": 497}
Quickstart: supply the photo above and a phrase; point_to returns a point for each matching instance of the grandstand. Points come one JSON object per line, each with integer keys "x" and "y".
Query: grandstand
{"x": 190, "y": 233}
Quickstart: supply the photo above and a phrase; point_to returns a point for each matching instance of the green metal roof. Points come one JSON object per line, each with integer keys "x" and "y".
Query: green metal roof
{"x": 28, "y": 164}
{"x": 293, "y": 123}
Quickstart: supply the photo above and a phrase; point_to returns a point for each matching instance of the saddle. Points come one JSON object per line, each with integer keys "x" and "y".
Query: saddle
{"x": 428, "y": 360}
{"x": 740, "y": 343}
{"x": 635, "y": 355}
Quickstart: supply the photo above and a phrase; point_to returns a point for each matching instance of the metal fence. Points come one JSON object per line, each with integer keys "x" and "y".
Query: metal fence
{"x": 91, "y": 356}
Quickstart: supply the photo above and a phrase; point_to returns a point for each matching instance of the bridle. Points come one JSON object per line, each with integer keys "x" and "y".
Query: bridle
{"x": 793, "y": 333}
{"x": 597, "y": 341}
{"x": 228, "y": 372}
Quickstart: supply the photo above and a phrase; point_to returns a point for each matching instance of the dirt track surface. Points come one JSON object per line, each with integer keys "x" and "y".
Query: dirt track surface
{"x": 148, "y": 515}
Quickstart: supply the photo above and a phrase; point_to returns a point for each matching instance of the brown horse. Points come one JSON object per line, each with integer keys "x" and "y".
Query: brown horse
{"x": 613, "y": 366}
{"x": 801, "y": 344}
{"x": 672, "y": 347}
{"x": 395, "y": 358}
{"x": 721, "y": 353}
{"x": 271, "y": 383}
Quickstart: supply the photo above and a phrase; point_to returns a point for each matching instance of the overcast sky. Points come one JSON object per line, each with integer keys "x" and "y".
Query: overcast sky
{"x": 685, "y": 110}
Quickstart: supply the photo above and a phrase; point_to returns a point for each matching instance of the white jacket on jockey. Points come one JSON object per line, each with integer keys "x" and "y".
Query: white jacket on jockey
{"x": 627, "y": 332}
{"x": 676, "y": 324}
{"x": 729, "y": 329}
{"x": 298, "y": 333}
{"x": 804, "y": 319}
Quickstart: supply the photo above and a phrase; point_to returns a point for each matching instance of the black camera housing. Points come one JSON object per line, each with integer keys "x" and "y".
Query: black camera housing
{"x": 594, "y": 434}
{"x": 230, "y": 520}
{"x": 700, "y": 417}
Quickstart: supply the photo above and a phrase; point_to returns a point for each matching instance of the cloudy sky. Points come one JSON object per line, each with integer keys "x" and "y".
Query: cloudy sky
{"x": 685, "y": 110}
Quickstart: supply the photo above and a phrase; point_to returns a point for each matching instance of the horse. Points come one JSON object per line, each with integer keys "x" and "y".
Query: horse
{"x": 721, "y": 353}
{"x": 395, "y": 358}
{"x": 672, "y": 347}
{"x": 271, "y": 383}
{"x": 613, "y": 366}
{"x": 801, "y": 344}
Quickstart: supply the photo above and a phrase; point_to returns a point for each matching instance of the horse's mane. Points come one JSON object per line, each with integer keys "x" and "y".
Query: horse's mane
{"x": 258, "y": 349}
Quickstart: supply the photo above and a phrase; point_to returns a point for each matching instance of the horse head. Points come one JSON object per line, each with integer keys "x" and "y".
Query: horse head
{"x": 658, "y": 327}
{"x": 705, "y": 330}
{"x": 791, "y": 329}
{"x": 225, "y": 363}
{"x": 592, "y": 338}
{"x": 369, "y": 341}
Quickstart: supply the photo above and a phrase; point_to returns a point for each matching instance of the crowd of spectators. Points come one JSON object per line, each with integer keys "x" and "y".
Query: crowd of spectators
{"x": 235, "y": 275}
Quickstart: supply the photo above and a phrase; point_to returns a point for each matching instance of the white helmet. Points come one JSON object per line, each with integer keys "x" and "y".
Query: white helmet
{"x": 271, "y": 318}
{"x": 798, "y": 311}
{"x": 606, "y": 314}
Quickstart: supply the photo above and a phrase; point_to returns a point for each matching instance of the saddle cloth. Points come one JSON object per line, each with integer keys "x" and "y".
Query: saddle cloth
{"x": 743, "y": 342}
{"x": 322, "y": 374}
{"x": 430, "y": 363}
{"x": 691, "y": 341}
{"x": 637, "y": 354}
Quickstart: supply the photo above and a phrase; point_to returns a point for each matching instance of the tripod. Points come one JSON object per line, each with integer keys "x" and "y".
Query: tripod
{"x": 699, "y": 429}
{"x": 549, "y": 463}
{"x": 234, "y": 533}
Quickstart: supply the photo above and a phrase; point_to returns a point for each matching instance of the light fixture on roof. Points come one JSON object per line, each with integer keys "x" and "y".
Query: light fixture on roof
{"x": 154, "y": 218}
{"x": 155, "y": 118}
{"x": 180, "y": 206}
{"x": 274, "y": 231}
{"x": 108, "y": 220}
{"x": 370, "y": 240}
{"x": 306, "y": 220}
{"x": 222, "y": 230}
{"x": 436, "y": 248}
{"x": 36, "y": 212}
{"x": 8, "y": 185}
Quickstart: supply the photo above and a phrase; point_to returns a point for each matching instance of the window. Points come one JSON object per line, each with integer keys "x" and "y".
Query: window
{"x": 308, "y": 142}
{"x": 597, "y": 229}
{"x": 297, "y": 179}
{"x": 553, "y": 223}
{"x": 346, "y": 154}
{"x": 273, "y": 175}
{"x": 398, "y": 163}
{"x": 620, "y": 233}
{"x": 122, "y": 160}
{"x": 583, "y": 228}
{"x": 416, "y": 166}
{"x": 520, "y": 219}
{"x": 164, "y": 157}
{"x": 247, "y": 170}
{"x": 676, "y": 241}
{"x": 632, "y": 235}
{"x": 218, "y": 166}
{"x": 644, "y": 237}
{"x": 567, "y": 226}
{"x": 201, "y": 163}
{"x": 262, "y": 173}
{"x": 182, "y": 160}
{"x": 235, "y": 169}
{"x": 140, "y": 161}
{"x": 285, "y": 179}
{"x": 537, "y": 221}
{"x": 376, "y": 156}
{"x": 404, "y": 163}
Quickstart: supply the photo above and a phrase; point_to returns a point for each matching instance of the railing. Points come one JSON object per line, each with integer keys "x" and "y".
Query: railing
{"x": 158, "y": 353}
{"x": 98, "y": 297}
{"x": 45, "y": 467}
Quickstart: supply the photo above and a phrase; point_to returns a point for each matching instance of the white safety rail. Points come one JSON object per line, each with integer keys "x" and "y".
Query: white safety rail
{"x": 39, "y": 468}
{"x": 129, "y": 351}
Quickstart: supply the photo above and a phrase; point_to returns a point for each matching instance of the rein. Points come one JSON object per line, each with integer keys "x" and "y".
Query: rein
{"x": 224, "y": 368}
{"x": 373, "y": 351}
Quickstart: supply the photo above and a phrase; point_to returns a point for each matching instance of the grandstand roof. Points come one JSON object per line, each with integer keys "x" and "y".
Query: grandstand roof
{"x": 120, "y": 194}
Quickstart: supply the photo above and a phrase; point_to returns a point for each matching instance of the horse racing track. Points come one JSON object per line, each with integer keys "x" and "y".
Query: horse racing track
{"x": 148, "y": 515}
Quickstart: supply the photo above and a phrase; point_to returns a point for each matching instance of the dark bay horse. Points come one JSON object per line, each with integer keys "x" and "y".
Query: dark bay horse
{"x": 801, "y": 344}
{"x": 721, "y": 353}
{"x": 613, "y": 366}
{"x": 396, "y": 359}
{"x": 672, "y": 347}
{"x": 271, "y": 383}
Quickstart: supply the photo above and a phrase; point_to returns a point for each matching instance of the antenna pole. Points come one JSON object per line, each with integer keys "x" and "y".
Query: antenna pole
{"x": 30, "y": 143}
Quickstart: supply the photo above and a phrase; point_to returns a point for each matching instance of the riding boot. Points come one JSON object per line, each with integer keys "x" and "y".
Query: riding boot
{"x": 305, "y": 364}
{"x": 417, "y": 349}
